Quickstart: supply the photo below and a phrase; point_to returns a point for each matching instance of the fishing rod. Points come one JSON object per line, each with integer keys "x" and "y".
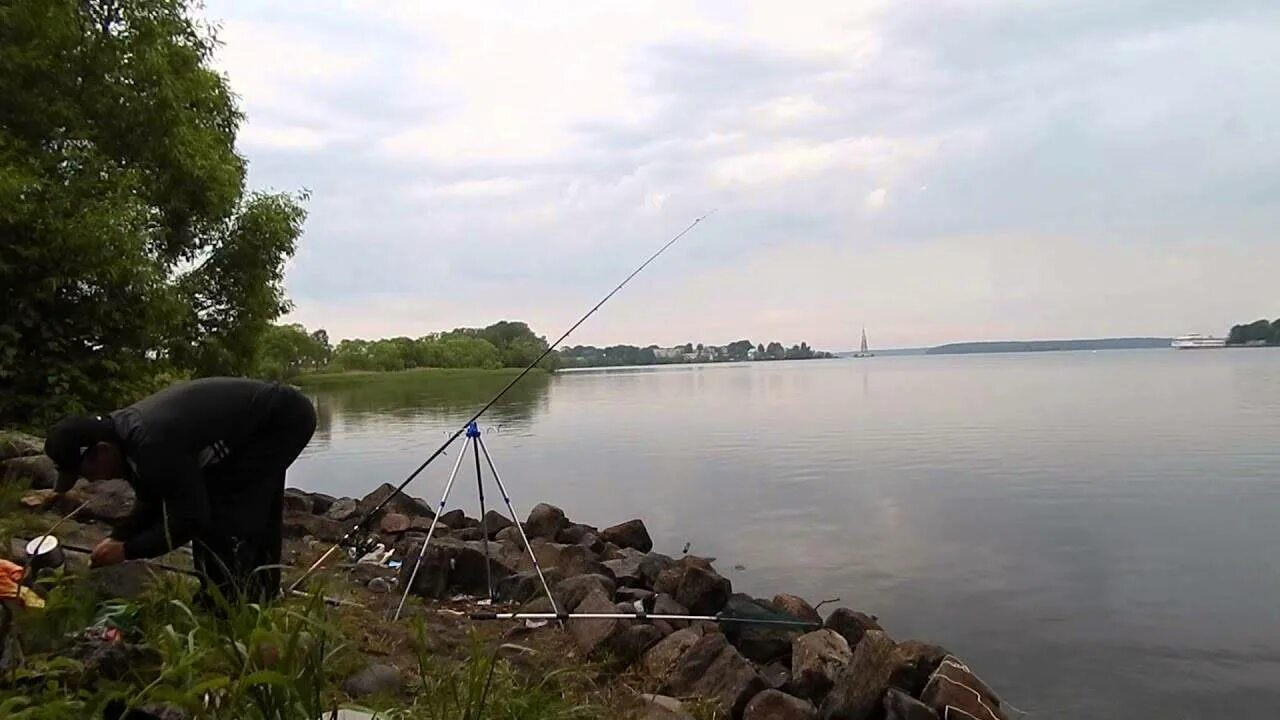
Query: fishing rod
{"x": 639, "y": 615}
{"x": 359, "y": 527}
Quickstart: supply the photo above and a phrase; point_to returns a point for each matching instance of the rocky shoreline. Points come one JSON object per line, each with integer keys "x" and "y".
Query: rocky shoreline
{"x": 845, "y": 666}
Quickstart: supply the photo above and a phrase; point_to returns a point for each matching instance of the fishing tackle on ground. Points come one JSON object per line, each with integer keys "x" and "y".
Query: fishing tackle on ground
{"x": 359, "y": 529}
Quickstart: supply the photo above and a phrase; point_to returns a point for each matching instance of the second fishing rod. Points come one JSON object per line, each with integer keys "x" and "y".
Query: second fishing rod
{"x": 361, "y": 525}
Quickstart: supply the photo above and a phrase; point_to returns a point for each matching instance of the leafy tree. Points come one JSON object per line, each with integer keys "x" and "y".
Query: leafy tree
{"x": 738, "y": 350}
{"x": 760, "y": 350}
{"x": 1256, "y": 332}
{"x": 129, "y": 252}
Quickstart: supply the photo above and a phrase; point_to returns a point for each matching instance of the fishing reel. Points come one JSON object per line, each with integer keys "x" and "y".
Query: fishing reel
{"x": 360, "y": 543}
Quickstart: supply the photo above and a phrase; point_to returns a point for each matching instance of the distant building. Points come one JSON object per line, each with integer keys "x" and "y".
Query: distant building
{"x": 671, "y": 353}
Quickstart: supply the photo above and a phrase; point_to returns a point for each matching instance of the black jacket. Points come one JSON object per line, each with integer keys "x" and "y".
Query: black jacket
{"x": 174, "y": 442}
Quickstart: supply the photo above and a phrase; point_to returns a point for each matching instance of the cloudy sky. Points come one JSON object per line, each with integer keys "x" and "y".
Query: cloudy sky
{"x": 937, "y": 171}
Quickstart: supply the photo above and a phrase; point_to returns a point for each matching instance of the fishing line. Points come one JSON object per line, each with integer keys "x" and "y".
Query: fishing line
{"x": 359, "y": 527}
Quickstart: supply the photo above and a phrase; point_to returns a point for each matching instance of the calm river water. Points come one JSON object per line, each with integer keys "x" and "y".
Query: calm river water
{"x": 1097, "y": 534}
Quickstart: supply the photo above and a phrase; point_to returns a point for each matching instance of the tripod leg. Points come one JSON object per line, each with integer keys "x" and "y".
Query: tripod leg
{"x": 430, "y": 531}
{"x": 484, "y": 522}
{"x": 525, "y": 538}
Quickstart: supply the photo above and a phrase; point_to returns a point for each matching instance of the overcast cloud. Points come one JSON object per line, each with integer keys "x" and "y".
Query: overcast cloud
{"x": 937, "y": 171}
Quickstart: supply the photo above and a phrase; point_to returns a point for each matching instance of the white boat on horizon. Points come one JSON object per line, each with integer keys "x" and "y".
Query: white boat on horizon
{"x": 1196, "y": 341}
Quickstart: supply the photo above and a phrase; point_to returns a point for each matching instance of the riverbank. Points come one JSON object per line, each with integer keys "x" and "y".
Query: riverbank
{"x": 356, "y": 377}
{"x": 434, "y": 662}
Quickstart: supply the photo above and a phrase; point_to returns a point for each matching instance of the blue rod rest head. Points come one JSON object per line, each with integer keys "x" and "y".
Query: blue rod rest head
{"x": 473, "y": 431}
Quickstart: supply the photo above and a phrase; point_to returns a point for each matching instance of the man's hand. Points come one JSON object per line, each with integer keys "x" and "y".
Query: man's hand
{"x": 108, "y": 552}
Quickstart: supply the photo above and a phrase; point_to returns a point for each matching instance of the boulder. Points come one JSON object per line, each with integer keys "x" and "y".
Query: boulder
{"x": 125, "y": 581}
{"x": 297, "y": 501}
{"x": 523, "y": 586}
{"x": 704, "y": 592}
{"x": 631, "y": 644}
{"x": 510, "y": 536}
{"x": 317, "y": 526}
{"x": 342, "y": 510}
{"x": 495, "y": 521}
{"x": 398, "y": 502}
{"x": 457, "y": 520}
{"x": 110, "y": 501}
{"x": 376, "y": 679}
{"x": 652, "y": 565}
{"x": 775, "y": 675}
{"x": 572, "y": 591}
{"x": 394, "y": 523}
{"x": 758, "y": 642}
{"x": 470, "y": 534}
{"x": 381, "y": 585}
{"x": 953, "y": 686}
{"x": 852, "y": 624}
{"x": 664, "y": 604}
{"x": 661, "y": 707}
{"x": 320, "y": 503}
{"x": 901, "y": 706}
{"x": 661, "y": 659}
{"x": 38, "y": 471}
{"x": 546, "y": 521}
{"x": 796, "y": 606}
{"x": 630, "y": 534}
{"x": 572, "y": 533}
{"x": 547, "y": 553}
{"x": 611, "y": 551}
{"x": 468, "y": 573}
{"x": 712, "y": 668}
{"x": 634, "y": 595}
{"x": 816, "y": 660}
{"x": 423, "y": 525}
{"x": 577, "y": 560}
{"x": 860, "y": 686}
{"x": 776, "y": 705}
{"x": 432, "y": 580}
{"x": 593, "y": 637}
{"x": 917, "y": 661}
{"x": 626, "y": 570}
{"x": 14, "y": 444}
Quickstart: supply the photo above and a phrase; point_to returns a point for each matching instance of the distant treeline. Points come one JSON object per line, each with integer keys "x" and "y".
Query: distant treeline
{"x": 1132, "y": 343}
{"x": 1259, "y": 332}
{"x": 738, "y": 351}
{"x": 287, "y": 350}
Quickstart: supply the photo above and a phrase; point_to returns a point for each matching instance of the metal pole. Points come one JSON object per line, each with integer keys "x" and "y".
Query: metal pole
{"x": 502, "y": 488}
{"x": 430, "y": 531}
{"x": 473, "y": 433}
{"x": 634, "y": 616}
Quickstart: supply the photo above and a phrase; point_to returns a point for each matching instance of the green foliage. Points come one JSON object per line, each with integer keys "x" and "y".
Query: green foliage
{"x": 625, "y": 355}
{"x": 128, "y": 252}
{"x": 503, "y": 344}
{"x": 1259, "y": 332}
{"x": 286, "y": 350}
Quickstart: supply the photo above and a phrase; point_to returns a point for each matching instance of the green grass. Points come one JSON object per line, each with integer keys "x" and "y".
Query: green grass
{"x": 361, "y": 376}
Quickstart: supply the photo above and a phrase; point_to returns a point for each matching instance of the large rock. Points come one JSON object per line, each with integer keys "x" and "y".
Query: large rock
{"x": 524, "y": 586}
{"x": 569, "y": 593}
{"x": 317, "y": 526}
{"x": 342, "y": 510}
{"x": 632, "y": 643}
{"x": 394, "y": 523}
{"x": 917, "y": 661}
{"x": 398, "y": 503}
{"x": 110, "y": 501}
{"x": 852, "y": 624}
{"x": 593, "y": 637}
{"x": 775, "y": 675}
{"x": 630, "y": 534}
{"x": 510, "y": 536}
{"x": 573, "y": 533}
{"x": 320, "y": 503}
{"x": 775, "y": 705}
{"x": 377, "y": 679}
{"x": 712, "y": 668}
{"x": 457, "y": 520}
{"x": 664, "y": 604}
{"x": 816, "y": 660}
{"x": 703, "y": 591}
{"x": 652, "y": 565}
{"x": 297, "y": 501}
{"x": 468, "y": 573}
{"x": 758, "y": 642}
{"x": 860, "y": 686}
{"x": 955, "y": 686}
{"x": 796, "y": 606}
{"x": 578, "y": 560}
{"x": 661, "y": 659}
{"x": 14, "y": 444}
{"x": 494, "y": 522}
{"x": 634, "y": 595}
{"x": 546, "y": 521}
{"x": 901, "y": 706}
{"x": 432, "y": 580}
{"x": 36, "y": 470}
{"x": 626, "y": 569}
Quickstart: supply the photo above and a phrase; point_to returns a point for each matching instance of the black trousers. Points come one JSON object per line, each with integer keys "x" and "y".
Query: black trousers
{"x": 240, "y": 555}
